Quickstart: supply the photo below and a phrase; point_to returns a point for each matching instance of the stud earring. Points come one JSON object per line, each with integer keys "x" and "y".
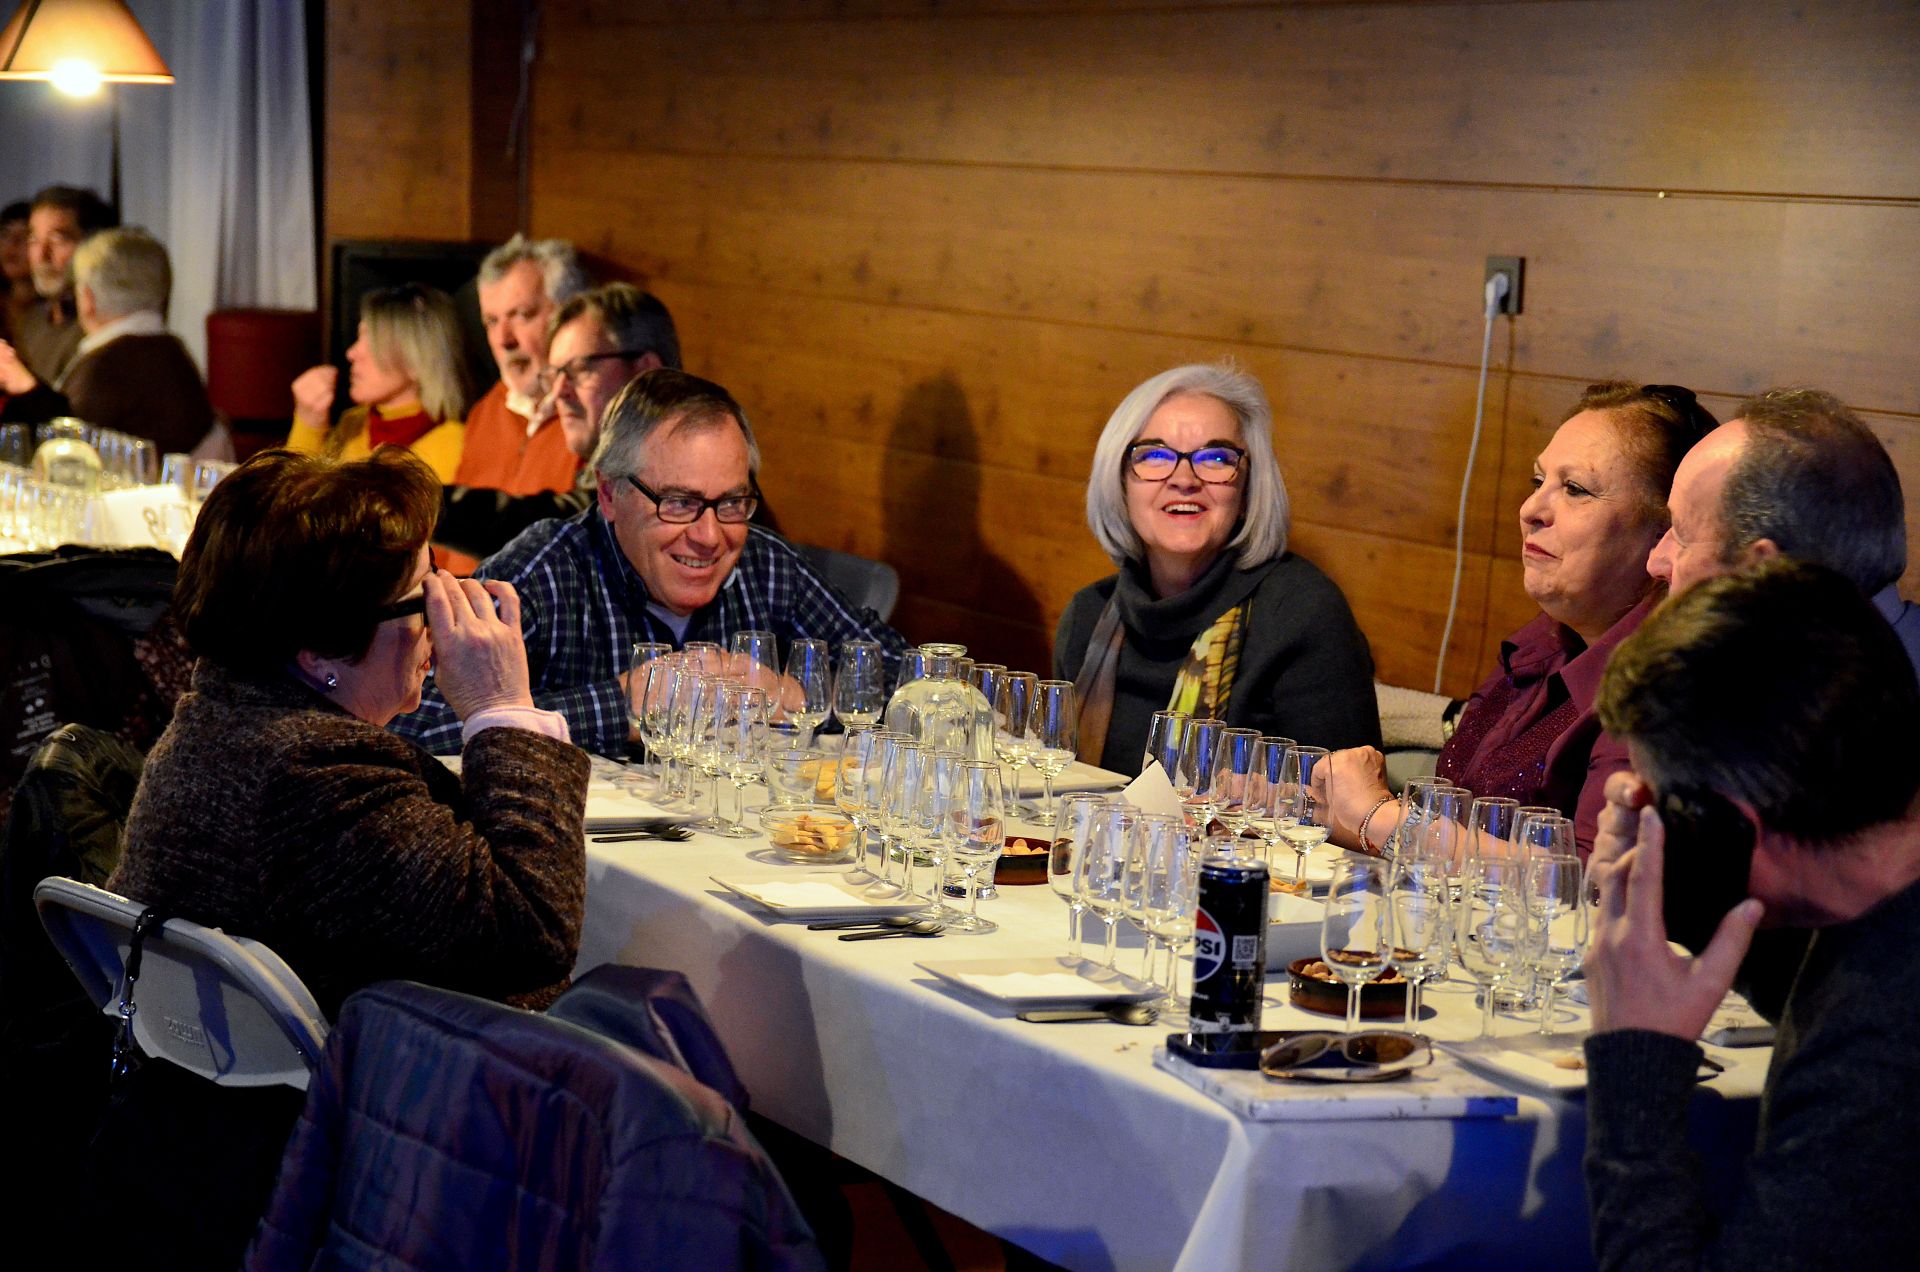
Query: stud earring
{"x": 331, "y": 681}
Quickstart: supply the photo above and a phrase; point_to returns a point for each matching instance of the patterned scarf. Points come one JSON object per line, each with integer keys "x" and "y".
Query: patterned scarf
{"x": 1201, "y": 688}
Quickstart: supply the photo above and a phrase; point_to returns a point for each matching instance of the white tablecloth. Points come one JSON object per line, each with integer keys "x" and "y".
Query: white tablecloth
{"x": 1064, "y": 1138}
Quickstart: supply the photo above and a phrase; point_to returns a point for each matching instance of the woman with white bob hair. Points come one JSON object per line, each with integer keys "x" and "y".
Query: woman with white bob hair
{"x": 1209, "y": 614}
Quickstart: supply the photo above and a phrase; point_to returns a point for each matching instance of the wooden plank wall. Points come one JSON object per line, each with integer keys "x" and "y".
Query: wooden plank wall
{"x": 930, "y": 245}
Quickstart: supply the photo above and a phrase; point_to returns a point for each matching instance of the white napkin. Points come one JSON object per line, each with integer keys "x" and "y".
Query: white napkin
{"x": 1035, "y": 984}
{"x": 803, "y": 894}
{"x": 1151, "y": 792}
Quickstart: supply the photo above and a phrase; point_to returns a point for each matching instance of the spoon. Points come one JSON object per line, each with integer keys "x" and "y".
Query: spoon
{"x": 1118, "y": 1013}
{"x": 885, "y": 921}
{"x": 922, "y": 927}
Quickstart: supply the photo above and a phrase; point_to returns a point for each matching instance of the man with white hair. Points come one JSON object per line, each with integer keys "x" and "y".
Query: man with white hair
{"x": 511, "y": 445}
{"x": 128, "y": 373}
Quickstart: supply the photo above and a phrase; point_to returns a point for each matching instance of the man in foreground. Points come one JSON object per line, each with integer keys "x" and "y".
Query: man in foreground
{"x": 1778, "y": 704}
{"x": 597, "y": 342}
{"x": 666, "y": 554}
{"x": 1794, "y": 473}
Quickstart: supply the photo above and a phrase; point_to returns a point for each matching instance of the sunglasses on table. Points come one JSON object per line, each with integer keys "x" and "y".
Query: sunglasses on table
{"x": 1383, "y": 1052}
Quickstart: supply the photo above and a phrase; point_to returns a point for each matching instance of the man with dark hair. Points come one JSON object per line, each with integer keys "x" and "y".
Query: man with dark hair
{"x": 595, "y": 343}
{"x": 1795, "y": 473}
{"x": 16, "y": 274}
{"x": 1769, "y": 710}
{"x": 49, "y": 331}
{"x": 666, "y": 554}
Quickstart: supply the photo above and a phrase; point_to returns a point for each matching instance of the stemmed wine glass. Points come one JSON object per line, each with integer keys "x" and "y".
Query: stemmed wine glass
{"x": 1012, "y": 714}
{"x": 1148, "y": 828}
{"x": 1053, "y": 736}
{"x": 741, "y": 750}
{"x": 639, "y": 677}
{"x": 1417, "y": 906}
{"x": 1309, "y": 817}
{"x": 807, "y": 691}
{"x": 1267, "y": 792}
{"x": 1079, "y": 814}
{"x": 1193, "y": 772}
{"x": 860, "y": 684}
{"x": 1173, "y": 881}
{"x": 1556, "y": 892}
{"x": 706, "y": 657}
{"x": 1355, "y": 929}
{"x": 1490, "y": 927}
{"x": 978, "y": 833}
{"x": 1165, "y": 732}
{"x": 1232, "y": 787}
{"x": 682, "y": 688}
{"x": 933, "y": 828}
{"x": 1103, "y": 869}
{"x": 754, "y": 659}
{"x": 1492, "y": 819}
{"x": 850, "y": 789}
{"x": 898, "y": 755}
{"x": 706, "y": 731}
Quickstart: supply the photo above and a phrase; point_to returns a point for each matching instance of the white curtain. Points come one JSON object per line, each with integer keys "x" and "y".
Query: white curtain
{"x": 219, "y": 165}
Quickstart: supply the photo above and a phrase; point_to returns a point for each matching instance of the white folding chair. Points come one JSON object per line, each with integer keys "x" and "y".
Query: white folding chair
{"x": 224, "y": 1007}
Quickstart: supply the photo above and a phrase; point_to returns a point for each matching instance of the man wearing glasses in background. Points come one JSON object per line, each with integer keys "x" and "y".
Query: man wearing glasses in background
{"x": 596, "y": 342}
{"x": 1770, "y": 718}
{"x": 666, "y": 554}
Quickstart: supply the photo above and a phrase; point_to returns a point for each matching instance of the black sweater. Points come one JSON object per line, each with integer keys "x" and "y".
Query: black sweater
{"x": 1305, "y": 670}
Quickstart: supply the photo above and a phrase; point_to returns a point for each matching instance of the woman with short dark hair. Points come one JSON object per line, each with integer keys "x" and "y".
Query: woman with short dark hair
{"x": 278, "y": 807}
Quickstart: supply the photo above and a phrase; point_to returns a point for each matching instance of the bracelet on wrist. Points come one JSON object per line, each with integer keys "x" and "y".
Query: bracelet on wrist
{"x": 1366, "y": 845}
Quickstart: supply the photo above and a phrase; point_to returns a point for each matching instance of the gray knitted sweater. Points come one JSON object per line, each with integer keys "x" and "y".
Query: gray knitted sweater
{"x": 267, "y": 811}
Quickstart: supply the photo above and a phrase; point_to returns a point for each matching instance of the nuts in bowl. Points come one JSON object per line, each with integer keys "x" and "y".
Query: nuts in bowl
{"x": 813, "y": 835}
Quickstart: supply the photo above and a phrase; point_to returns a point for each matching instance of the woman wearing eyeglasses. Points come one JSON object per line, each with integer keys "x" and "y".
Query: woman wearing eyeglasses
{"x": 407, "y": 378}
{"x": 277, "y": 806}
{"x": 1209, "y": 613}
{"x": 1599, "y": 504}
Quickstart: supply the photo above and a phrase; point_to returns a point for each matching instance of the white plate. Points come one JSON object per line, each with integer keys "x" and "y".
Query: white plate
{"x": 1532, "y": 1067}
{"x": 1041, "y": 982}
{"x": 816, "y": 896}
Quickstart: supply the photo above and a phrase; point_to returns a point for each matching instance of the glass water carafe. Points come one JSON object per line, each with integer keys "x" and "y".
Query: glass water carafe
{"x": 940, "y": 709}
{"x": 64, "y": 457}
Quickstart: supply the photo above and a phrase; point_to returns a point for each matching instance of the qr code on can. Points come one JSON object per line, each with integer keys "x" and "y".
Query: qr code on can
{"x": 1246, "y": 950}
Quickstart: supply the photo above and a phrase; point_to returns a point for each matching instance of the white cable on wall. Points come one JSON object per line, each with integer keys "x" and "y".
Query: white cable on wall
{"x": 1496, "y": 292}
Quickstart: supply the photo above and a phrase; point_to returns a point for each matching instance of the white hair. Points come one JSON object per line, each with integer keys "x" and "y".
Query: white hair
{"x": 558, "y": 263}
{"x": 1265, "y": 515}
{"x": 126, "y": 270}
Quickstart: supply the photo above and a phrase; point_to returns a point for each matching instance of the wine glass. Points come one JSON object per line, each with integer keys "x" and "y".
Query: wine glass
{"x": 1417, "y": 906}
{"x": 1267, "y": 792}
{"x": 1103, "y": 869}
{"x": 899, "y": 753}
{"x": 1012, "y": 715}
{"x": 706, "y": 729}
{"x": 1053, "y": 736}
{"x": 1355, "y": 930}
{"x": 1233, "y": 779}
{"x": 1544, "y": 832}
{"x": 1492, "y": 821}
{"x": 860, "y": 684}
{"x": 1165, "y": 731}
{"x": 1309, "y": 818}
{"x": 913, "y": 666}
{"x": 705, "y": 656}
{"x": 1133, "y": 883}
{"x": 1078, "y": 816}
{"x": 849, "y": 789}
{"x": 978, "y": 829}
{"x": 1173, "y": 882}
{"x": 1490, "y": 927}
{"x": 1193, "y": 771}
{"x": 644, "y": 652}
{"x": 934, "y": 827}
{"x": 683, "y": 680}
{"x": 807, "y": 691}
{"x": 741, "y": 750}
{"x": 753, "y": 658}
{"x": 1556, "y": 891}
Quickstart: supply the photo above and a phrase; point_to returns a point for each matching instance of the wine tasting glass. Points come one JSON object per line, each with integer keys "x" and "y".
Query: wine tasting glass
{"x": 1165, "y": 731}
{"x": 898, "y": 754}
{"x": 1079, "y": 814}
{"x": 1266, "y": 792}
{"x": 683, "y": 682}
{"x": 706, "y": 732}
{"x": 1053, "y": 736}
{"x": 1490, "y": 927}
{"x": 1555, "y": 891}
{"x": 979, "y": 831}
{"x": 1103, "y": 869}
{"x": 644, "y": 652}
{"x": 1173, "y": 880}
{"x": 741, "y": 750}
{"x": 1355, "y": 930}
{"x": 1233, "y": 779}
{"x": 706, "y": 657}
{"x": 1492, "y": 819}
{"x": 1309, "y": 817}
{"x": 807, "y": 692}
{"x": 754, "y": 659}
{"x": 934, "y": 828}
{"x": 1012, "y": 714}
{"x": 860, "y": 684}
{"x": 1417, "y": 906}
{"x": 1544, "y": 832}
{"x": 1193, "y": 772}
{"x": 849, "y": 790}
{"x": 1133, "y": 885}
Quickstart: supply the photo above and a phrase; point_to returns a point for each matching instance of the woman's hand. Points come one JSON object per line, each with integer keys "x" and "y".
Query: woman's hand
{"x": 313, "y": 391}
{"x": 1359, "y": 776}
{"x": 479, "y": 661}
{"x": 15, "y": 379}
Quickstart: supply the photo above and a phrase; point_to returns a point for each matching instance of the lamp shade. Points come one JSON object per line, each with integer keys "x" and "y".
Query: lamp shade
{"x": 53, "y": 39}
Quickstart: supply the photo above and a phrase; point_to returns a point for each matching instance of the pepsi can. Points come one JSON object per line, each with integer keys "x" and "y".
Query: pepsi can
{"x": 1229, "y": 954}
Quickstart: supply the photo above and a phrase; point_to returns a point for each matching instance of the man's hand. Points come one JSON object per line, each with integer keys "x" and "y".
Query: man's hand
{"x": 1634, "y": 979}
{"x": 15, "y": 379}
{"x": 1619, "y": 819}
{"x": 478, "y": 658}
{"x": 313, "y": 391}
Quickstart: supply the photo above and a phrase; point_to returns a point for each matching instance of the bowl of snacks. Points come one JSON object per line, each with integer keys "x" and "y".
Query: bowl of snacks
{"x": 814, "y": 835}
{"x": 1023, "y": 860}
{"x": 1314, "y": 988}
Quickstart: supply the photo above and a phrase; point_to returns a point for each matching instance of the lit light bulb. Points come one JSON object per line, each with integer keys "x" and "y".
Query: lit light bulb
{"x": 76, "y": 78}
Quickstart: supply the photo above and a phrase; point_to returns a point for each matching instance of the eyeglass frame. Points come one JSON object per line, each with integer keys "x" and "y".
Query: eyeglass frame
{"x": 402, "y": 609}
{"x": 549, "y": 379}
{"x": 751, "y": 500}
{"x": 1179, "y": 456}
{"x": 1341, "y": 1043}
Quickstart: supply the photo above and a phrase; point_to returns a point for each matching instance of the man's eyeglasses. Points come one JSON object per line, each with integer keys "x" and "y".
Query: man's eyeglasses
{"x": 1155, "y": 461}
{"x": 679, "y": 508}
{"x": 579, "y": 367}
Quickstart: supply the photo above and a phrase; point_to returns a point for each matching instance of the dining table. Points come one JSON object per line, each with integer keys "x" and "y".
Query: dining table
{"x": 1089, "y": 1144}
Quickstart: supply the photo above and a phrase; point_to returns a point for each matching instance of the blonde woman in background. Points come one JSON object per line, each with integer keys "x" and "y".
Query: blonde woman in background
{"x": 407, "y": 380}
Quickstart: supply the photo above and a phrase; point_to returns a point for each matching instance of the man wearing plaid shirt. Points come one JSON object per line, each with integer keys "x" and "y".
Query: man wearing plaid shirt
{"x": 665, "y": 555}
